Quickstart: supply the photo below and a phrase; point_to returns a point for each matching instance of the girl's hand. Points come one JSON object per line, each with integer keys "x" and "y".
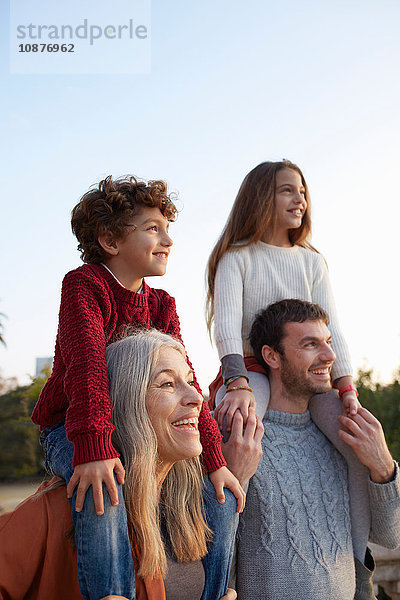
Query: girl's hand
{"x": 350, "y": 404}
{"x": 94, "y": 474}
{"x": 224, "y": 478}
{"x": 230, "y": 595}
{"x": 239, "y": 400}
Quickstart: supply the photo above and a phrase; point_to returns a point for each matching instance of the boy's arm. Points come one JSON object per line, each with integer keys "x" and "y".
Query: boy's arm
{"x": 85, "y": 312}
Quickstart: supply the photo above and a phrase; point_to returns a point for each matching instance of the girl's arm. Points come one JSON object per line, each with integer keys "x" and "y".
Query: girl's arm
{"x": 228, "y": 317}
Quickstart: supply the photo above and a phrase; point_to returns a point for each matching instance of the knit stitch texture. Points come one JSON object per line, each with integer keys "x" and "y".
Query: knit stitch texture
{"x": 94, "y": 310}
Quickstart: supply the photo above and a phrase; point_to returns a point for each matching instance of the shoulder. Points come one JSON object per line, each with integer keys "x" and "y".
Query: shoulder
{"x": 85, "y": 273}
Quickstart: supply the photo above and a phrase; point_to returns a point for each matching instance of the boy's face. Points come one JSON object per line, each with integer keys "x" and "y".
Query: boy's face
{"x": 143, "y": 252}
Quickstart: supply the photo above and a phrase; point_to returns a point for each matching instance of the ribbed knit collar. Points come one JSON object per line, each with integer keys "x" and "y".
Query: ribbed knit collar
{"x": 273, "y": 248}
{"x": 284, "y": 418}
{"x": 119, "y": 291}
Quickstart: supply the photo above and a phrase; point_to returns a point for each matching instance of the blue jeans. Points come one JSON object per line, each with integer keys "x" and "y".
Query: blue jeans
{"x": 223, "y": 520}
{"x": 105, "y": 564}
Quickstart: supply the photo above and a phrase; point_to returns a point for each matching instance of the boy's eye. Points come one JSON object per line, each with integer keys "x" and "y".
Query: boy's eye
{"x": 191, "y": 382}
{"x": 153, "y": 228}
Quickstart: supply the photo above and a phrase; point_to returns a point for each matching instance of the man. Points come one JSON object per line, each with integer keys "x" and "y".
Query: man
{"x": 295, "y": 534}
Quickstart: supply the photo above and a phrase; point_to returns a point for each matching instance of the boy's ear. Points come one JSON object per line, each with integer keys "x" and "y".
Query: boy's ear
{"x": 271, "y": 357}
{"x": 108, "y": 243}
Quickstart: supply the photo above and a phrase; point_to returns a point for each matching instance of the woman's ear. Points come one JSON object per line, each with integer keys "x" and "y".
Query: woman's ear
{"x": 271, "y": 357}
{"x": 108, "y": 243}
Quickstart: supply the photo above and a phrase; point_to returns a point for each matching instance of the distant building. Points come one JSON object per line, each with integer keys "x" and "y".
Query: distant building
{"x": 41, "y": 363}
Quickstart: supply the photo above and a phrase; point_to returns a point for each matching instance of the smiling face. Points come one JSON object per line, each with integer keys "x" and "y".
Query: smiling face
{"x": 290, "y": 205}
{"x": 173, "y": 405}
{"x": 305, "y": 364}
{"x": 143, "y": 251}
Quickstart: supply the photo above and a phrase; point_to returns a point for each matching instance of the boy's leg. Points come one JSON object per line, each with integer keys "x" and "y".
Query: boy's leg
{"x": 105, "y": 563}
{"x": 223, "y": 521}
{"x": 325, "y": 410}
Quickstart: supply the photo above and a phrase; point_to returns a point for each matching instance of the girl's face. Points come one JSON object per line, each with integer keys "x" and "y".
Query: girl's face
{"x": 290, "y": 205}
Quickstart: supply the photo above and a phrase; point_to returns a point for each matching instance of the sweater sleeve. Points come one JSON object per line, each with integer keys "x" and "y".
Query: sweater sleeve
{"x": 228, "y": 303}
{"x": 385, "y": 512}
{"x": 85, "y": 311}
{"x": 322, "y": 294}
{"x": 168, "y": 321}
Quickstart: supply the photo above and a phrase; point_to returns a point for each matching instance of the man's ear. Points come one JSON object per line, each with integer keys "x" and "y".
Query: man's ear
{"x": 108, "y": 243}
{"x": 271, "y": 357}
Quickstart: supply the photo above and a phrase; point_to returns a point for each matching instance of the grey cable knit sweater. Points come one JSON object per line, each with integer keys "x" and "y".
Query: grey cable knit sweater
{"x": 294, "y": 535}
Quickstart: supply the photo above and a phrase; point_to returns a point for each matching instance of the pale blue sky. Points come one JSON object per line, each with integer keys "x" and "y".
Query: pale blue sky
{"x": 231, "y": 84}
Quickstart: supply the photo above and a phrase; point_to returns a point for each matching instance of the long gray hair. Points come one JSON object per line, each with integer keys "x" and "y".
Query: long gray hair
{"x": 131, "y": 363}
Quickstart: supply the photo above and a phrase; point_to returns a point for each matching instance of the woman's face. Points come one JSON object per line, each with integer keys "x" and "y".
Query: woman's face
{"x": 173, "y": 405}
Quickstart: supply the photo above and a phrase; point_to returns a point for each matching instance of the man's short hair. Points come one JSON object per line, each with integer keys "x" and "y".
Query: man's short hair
{"x": 268, "y": 328}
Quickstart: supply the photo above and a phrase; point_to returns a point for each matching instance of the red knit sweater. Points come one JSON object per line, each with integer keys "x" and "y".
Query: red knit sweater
{"x": 93, "y": 308}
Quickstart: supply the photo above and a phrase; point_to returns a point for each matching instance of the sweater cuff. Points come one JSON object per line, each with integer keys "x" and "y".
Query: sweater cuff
{"x": 385, "y": 492}
{"x": 232, "y": 365}
{"x": 90, "y": 448}
{"x": 213, "y": 459}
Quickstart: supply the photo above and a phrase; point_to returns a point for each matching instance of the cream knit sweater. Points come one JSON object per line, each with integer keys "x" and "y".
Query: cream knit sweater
{"x": 250, "y": 278}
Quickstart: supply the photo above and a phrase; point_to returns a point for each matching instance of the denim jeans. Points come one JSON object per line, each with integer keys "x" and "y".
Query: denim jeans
{"x": 223, "y": 520}
{"x": 105, "y": 564}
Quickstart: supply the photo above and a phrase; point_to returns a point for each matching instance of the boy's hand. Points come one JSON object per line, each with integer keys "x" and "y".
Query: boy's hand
{"x": 94, "y": 474}
{"x": 350, "y": 404}
{"x": 239, "y": 400}
{"x": 224, "y": 478}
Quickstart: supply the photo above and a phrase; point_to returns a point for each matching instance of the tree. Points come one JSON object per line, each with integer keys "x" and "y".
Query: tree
{"x": 383, "y": 400}
{"x": 20, "y": 452}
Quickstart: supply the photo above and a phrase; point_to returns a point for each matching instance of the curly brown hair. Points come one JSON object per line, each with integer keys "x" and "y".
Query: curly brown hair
{"x": 110, "y": 207}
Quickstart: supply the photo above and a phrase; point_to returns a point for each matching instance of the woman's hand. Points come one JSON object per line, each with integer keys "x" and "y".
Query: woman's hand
{"x": 94, "y": 474}
{"x": 230, "y": 595}
{"x": 224, "y": 478}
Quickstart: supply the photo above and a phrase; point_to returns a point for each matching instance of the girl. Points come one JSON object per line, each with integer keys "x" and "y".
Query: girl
{"x": 262, "y": 256}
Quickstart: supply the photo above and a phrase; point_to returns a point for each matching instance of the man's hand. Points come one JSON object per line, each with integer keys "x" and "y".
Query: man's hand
{"x": 94, "y": 474}
{"x": 238, "y": 400}
{"x": 223, "y": 478}
{"x": 364, "y": 434}
{"x": 243, "y": 451}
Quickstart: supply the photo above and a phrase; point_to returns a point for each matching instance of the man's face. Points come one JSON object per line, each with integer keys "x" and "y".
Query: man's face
{"x": 307, "y": 359}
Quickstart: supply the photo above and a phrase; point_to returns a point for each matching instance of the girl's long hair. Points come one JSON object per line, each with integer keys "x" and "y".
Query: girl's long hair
{"x": 252, "y": 215}
{"x": 131, "y": 362}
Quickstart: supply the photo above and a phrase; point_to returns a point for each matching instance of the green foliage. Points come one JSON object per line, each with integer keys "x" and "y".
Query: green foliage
{"x": 384, "y": 402}
{"x": 20, "y": 453}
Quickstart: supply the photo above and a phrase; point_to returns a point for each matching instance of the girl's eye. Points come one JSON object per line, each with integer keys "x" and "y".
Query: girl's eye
{"x": 191, "y": 383}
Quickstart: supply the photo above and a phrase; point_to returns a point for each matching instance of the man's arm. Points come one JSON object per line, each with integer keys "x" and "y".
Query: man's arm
{"x": 365, "y": 435}
{"x": 243, "y": 451}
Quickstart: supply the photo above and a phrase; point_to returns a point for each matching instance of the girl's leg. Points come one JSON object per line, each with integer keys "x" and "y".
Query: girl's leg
{"x": 223, "y": 520}
{"x": 325, "y": 409}
{"x": 105, "y": 563}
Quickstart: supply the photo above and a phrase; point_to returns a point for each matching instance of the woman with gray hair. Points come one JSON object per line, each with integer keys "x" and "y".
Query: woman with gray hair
{"x": 155, "y": 413}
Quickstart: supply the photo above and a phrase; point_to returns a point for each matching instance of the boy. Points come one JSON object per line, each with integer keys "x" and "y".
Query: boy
{"x": 122, "y": 229}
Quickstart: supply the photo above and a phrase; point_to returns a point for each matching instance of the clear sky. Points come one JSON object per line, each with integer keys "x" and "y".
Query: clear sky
{"x": 231, "y": 84}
